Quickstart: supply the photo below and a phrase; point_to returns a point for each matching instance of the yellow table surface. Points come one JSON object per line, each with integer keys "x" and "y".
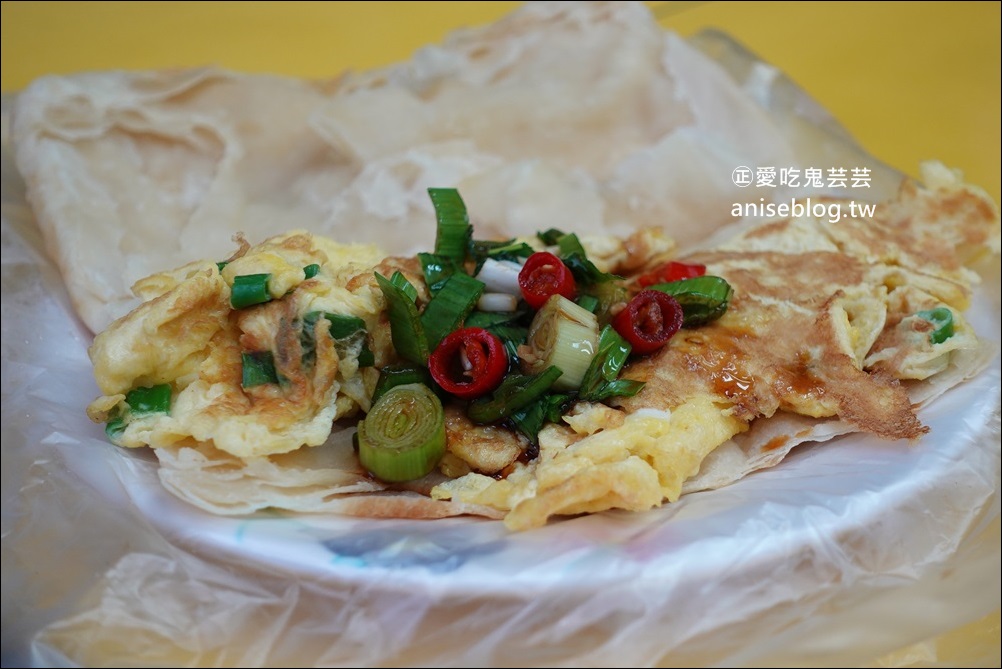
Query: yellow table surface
{"x": 910, "y": 81}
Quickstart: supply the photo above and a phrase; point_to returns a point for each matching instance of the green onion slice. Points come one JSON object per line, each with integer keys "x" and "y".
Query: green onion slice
{"x": 589, "y": 302}
{"x": 572, "y": 253}
{"x": 401, "y": 282}
{"x": 447, "y": 310}
{"x": 403, "y": 436}
{"x": 437, "y": 270}
{"x": 608, "y": 294}
{"x": 530, "y": 419}
{"x": 114, "y": 429}
{"x": 345, "y": 330}
{"x": 942, "y": 320}
{"x": 344, "y": 326}
{"x": 311, "y": 270}
{"x": 406, "y": 329}
{"x": 454, "y": 230}
{"x": 149, "y": 399}
{"x": 601, "y": 379}
{"x": 490, "y": 319}
{"x": 510, "y": 249}
{"x": 515, "y": 392}
{"x": 249, "y": 289}
{"x": 401, "y": 374}
{"x": 703, "y": 298}
{"x": 562, "y": 335}
{"x": 258, "y": 368}
{"x": 140, "y": 401}
{"x": 551, "y": 237}
{"x": 505, "y": 324}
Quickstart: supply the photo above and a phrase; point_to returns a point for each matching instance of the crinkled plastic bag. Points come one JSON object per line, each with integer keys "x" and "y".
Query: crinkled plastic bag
{"x": 845, "y": 552}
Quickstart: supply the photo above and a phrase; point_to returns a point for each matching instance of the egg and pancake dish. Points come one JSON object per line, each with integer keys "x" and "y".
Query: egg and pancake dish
{"x": 573, "y": 321}
{"x": 846, "y": 326}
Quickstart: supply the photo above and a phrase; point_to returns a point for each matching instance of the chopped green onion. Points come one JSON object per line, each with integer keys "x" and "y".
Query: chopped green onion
{"x": 311, "y": 270}
{"x": 401, "y": 282}
{"x": 454, "y": 230}
{"x": 589, "y": 302}
{"x": 344, "y": 326}
{"x": 510, "y": 249}
{"x": 366, "y": 358}
{"x": 447, "y": 310}
{"x": 437, "y": 270}
{"x": 114, "y": 429}
{"x": 569, "y": 244}
{"x": 942, "y": 320}
{"x": 703, "y": 298}
{"x": 140, "y": 401}
{"x": 530, "y": 420}
{"x": 258, "y": 368}
{"x": 345, "y": 330}
{"x": 149, "y": 399}
{"x": 489, "y": 319}
{"x": 504, "y": 324}
{"x": 249, "y": 289}
{"x": 515, "y": 392}
{"x": 601, "y": 379}
{"x": 406, "y": 329}
{"x": 608, "y": 294}
{"x": 221, "y": 265}
{"x": 562, "y": 335}
{"x": 392, "y": 376}
{"x": 572, "y": 253}
{"x": 551, "y": 237}
{"x": 585, "y": 272}
{"x": 403, "y": 436}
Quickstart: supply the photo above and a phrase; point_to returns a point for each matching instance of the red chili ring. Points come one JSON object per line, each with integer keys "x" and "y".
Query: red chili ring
{"x": 649, "y": 320}
{"x": 483, "y": 369}
{"x": 671, "y": 271}
{"x": 543, "y": 276}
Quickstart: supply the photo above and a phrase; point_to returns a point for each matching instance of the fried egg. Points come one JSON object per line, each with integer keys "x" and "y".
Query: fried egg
{"x": 187, "y": 335}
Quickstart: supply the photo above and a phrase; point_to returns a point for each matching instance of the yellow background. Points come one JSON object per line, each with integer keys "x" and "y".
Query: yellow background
{"x": 911, "y": 81}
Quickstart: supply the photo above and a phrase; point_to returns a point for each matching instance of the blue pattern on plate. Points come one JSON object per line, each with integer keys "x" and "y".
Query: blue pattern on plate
{"x": 401, "y": 547}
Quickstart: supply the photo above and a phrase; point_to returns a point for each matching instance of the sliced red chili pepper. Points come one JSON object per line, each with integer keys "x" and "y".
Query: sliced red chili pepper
{"x": 469, "y": 363}
{"x": 671, "y": 271}
{"x": 543, "y": 276}
{"x": 649, "y": 320}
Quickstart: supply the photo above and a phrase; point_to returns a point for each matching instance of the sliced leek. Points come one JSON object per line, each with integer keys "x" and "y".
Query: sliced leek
{"x": 562, "y": 335}
{"x": 500, "y": 276}
{"x": 406, "y": 330}
{"x": 447, "y": 310}
{"x": 703, "y": 298}
{"x": 497, "y": 302}
{"x": 454, "y": 229}
{"x": 516, "y": 392}
{"x": 403, "y": 436}
{"x": 399, "y": 374}
{"x": 602, "y": 381}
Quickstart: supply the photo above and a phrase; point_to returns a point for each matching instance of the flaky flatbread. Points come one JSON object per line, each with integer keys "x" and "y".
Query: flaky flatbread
{"x": 586, "y": 116}
{"x": 576, "y": 111}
